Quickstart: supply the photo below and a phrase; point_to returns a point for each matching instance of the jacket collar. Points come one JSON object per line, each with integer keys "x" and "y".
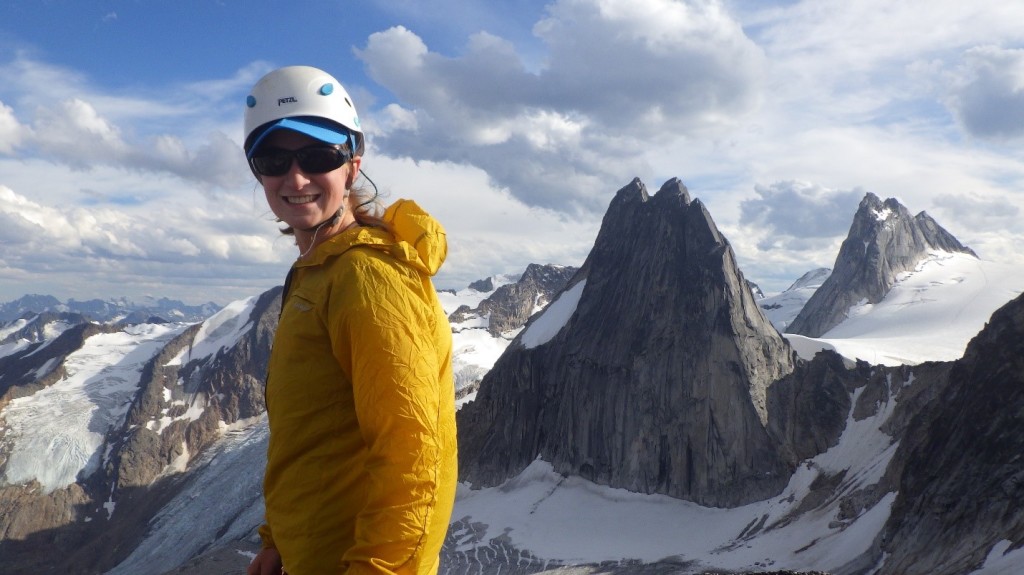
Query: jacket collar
{"x": 410, "y": 235}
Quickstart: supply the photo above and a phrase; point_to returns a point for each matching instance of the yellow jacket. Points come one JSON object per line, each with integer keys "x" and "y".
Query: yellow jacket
{"x": 361, "y": 466}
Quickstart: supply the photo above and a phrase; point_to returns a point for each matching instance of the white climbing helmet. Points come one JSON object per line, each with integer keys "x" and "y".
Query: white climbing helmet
{"x": 303, "y": 99}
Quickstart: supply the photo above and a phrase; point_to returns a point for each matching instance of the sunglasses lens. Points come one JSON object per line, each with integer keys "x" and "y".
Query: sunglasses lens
{"x": 272, "y": 165}
{"x": 312, "y": 160}
{"x": 320, "y": 160}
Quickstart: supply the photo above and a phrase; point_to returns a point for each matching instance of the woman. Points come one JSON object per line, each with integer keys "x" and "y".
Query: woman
{"x": 361, "y": 465}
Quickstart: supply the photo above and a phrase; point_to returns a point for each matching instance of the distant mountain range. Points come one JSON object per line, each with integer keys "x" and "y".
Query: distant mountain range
{"x": 111, "y": 310}
{"x": 641, "y": 414}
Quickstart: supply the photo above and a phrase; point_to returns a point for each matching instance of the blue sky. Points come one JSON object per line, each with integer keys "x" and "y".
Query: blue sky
{"x": 513, "y": 122}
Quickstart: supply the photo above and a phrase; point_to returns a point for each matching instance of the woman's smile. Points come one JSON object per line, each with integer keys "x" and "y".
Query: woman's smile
{"x": 301, "y": 199}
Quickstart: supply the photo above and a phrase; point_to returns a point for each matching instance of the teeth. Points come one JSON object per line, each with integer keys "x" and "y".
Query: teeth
{"x": 299, "y": 199}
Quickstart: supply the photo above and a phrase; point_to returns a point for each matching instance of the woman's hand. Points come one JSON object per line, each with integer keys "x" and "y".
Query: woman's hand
{"x": 267, "y": 562}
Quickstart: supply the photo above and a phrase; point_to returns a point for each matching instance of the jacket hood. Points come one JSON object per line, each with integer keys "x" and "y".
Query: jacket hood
{"x": 412, "y": 236}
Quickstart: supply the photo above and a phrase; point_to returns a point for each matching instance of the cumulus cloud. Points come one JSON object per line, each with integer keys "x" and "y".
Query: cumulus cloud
{"x": 121, "y": 246}
{"x": 988, "y": 92}
{"x": 74, "y": 132}
{"x": 619, "y": 76}
{"x": 81, "y": 126}
{"x": 801, "y": 210}
{"x": 979, "y": 213}
{"x": 11, "y": 131}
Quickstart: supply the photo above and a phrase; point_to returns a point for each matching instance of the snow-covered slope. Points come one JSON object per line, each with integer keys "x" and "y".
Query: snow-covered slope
{"x": 474, "y": 349}
{"x": 782, "y": 308}
{"x": 929, "y": 315}
{"x": 58, "y": 432}
{"x": 221, "y": 502}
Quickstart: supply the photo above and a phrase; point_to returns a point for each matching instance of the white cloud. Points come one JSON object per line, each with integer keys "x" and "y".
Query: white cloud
{"x": 977, "y": 212}
{"x": 517, "y": 128}
{"x": 74, "y": 132}
{"x": 619, "y": 76}
{"x": 172, "y": 132}
{"x": 191, "y": 245}
{"x": 801, "y": 210}
{"x": 988, "y": 92}
{"x": 11, "y": 131}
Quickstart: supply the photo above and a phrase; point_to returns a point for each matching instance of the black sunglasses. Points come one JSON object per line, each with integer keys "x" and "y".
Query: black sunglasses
{"x": 316, "y": 159}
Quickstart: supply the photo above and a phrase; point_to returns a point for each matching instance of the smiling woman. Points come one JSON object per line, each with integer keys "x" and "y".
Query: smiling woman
{"x": 361, "y": 463}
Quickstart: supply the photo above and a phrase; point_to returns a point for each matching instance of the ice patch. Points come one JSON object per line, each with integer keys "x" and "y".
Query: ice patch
{"x": 220, "y": 331}
{"x": 14, "y": 327}
{"x": 547, "y": 325}
{"x": 1001, "y": 561}
{"x": 58, "y": 432}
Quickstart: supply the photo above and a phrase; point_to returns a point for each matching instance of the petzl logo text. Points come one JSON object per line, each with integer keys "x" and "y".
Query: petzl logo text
{"x": 288, "y": 100}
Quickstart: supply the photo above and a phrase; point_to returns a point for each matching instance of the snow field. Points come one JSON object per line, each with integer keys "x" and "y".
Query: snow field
{"x": 58, "y": 432}
{"x": 929, "y": 315}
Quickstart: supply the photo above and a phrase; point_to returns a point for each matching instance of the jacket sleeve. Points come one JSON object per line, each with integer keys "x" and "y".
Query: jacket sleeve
{"x": 388, "y": 330}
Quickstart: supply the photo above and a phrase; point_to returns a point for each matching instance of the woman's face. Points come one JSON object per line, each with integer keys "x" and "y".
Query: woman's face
{"x": 304, "y": 200}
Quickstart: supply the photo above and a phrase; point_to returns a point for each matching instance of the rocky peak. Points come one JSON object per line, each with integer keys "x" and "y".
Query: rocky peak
{"x": 36, "y": 328}
{"x": 485, "y": 285}
{"x": 884, "y": 241}
{"x": 811, "y": 279}
{"x": 654, "y": 381}
{"x": 28, "y": 303}
{"x": 508, "y": 308}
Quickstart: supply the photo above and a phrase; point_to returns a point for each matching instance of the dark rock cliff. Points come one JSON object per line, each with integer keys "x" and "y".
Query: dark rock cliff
{"x": 884, "y": 240}
{"x": 962, "y": 484}
{"x": 657, "y": 382}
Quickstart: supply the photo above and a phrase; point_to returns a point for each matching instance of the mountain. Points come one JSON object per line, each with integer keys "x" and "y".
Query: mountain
{"x": 962, "y": 483}
{"x": 489, "y": 313}
{"x": 111, "y": 310}
{"x": 137, "y": 405}
{"x": 635, "y": 413}
{"x": 884, "y": 241}
{"x": 508, "y": 306}
{"x": 649, "y": 372}
{"x": 782, "y": 308}
{"x": 929, "y": 314}
{"x": 852, "y": 433}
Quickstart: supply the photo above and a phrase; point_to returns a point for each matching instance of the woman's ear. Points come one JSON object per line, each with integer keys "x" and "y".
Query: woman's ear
{"x": 355, "y": 162}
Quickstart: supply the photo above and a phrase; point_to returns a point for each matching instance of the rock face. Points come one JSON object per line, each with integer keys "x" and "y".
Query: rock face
{"x": 180, "y": 409}
{"x": 884, "y": 241}
{"x": 962, "y": 484}
{"x": 657, "y": 381}
{"x": 508, "y": 308}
